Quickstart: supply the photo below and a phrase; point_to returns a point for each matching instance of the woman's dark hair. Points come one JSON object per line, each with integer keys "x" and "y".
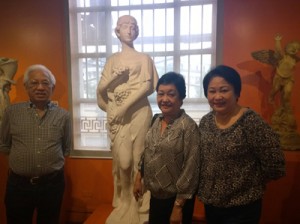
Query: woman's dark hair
{"x": 176, "y": 79}
{"x": 229, "y": 74}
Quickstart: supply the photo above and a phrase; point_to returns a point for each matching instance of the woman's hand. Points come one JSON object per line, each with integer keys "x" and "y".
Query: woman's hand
{"x": 176, "y": 216}
{"x": 138, "y": 187}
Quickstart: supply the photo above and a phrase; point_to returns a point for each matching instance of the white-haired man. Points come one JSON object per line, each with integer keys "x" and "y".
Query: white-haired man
{"x": 36, "y": 135}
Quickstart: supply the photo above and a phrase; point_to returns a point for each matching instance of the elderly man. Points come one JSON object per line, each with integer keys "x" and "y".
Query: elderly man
{"x": 36, "y": 136}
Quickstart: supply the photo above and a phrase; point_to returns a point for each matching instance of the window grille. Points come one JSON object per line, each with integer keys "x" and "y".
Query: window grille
{"x": 179, "y": 35}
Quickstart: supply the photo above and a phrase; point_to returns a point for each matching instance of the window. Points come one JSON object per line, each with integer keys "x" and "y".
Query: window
{"x": 179, "y": 35}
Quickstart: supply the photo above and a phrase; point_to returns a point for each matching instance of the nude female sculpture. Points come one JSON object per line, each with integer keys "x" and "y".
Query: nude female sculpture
{"x": 127, "y": 79}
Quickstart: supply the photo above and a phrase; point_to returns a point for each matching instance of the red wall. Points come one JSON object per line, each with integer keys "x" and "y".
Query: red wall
{"x": 34, "y": 31}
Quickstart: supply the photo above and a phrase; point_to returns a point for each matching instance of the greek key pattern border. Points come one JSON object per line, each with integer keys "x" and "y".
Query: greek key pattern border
{"x": 93, "y": 125}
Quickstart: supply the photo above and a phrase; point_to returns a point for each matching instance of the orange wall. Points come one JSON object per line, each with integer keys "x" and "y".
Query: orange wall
{"x": 34, "y": 31}
{"x": 250, "y": 26}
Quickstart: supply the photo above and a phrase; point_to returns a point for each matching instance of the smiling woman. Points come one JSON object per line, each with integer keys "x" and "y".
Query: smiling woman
{"x": 237, "y": 147}
{"x": 169, "y": 165}
{"x": 170, "y": 94}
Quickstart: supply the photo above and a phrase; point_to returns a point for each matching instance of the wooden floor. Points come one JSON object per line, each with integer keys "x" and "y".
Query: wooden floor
{"x": 102, "y": 212}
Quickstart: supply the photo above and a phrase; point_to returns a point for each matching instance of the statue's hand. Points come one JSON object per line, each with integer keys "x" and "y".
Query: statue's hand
{"x": 119, "y": 116}
{"x": 278, "y": 37}
{"x": 120, "y": 71}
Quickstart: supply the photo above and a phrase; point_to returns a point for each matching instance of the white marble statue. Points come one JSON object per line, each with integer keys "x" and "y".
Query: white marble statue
{"x": 8, "y": 68}
{"x": 127, "y": 79}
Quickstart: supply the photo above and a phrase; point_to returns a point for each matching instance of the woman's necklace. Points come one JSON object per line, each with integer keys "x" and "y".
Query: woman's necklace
{"x": 226, "y": 120}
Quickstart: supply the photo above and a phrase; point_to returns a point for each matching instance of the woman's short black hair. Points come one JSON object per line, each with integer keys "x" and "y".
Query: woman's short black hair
{"x": 229, "y": 74}
{"x": 175, "y": 79}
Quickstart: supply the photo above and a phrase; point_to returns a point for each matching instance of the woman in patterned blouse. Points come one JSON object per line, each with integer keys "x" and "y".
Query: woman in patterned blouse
{"x": 170, "y": 163}
{"x": 240, "y": 153}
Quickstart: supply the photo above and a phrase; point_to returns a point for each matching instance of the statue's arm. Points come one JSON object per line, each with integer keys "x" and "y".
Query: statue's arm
{"x": 102, "y": 98}
{"x": 108, "y": 78}
{"x": 147, "y": 85}
{"x": 103, "y": 85}
{"x": 134, "y": 98}
{"x": 144, "y": 90}
{"x": 278, "y": 47}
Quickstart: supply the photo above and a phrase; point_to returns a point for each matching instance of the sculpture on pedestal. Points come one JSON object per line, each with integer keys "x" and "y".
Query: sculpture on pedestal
{"x": 127, "y": 79}
{"x": 284, "y": 62}
{"x": 8, "y": 68}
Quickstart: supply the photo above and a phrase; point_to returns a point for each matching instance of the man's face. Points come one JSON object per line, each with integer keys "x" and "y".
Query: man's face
{"x": 39, "y": 87}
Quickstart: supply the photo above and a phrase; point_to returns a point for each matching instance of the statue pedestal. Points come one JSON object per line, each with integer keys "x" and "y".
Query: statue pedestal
{"x": 132, "y": 213}
{"x": 128, "y": 218}
{"x": 290, "y": 140}
{"x": 284, "y": 123}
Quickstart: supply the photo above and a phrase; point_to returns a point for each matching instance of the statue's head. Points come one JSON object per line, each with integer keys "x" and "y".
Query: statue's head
{"x": 127, "y": 20}
{"x": 292, "y": 47}
{"x": 8, "y": 67}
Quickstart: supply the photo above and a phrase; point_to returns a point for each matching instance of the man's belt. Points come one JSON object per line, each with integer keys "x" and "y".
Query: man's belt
{"x": 37, "y": 179}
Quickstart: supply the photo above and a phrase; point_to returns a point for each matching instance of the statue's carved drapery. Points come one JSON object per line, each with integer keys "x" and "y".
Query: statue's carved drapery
{"x": 8, "y": 68}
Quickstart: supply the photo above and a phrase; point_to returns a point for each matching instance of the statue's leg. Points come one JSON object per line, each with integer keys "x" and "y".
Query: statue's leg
{"x": 143, "y": 205}
{"x": 125, "y": 170}
{"x": 117, "y": 184}
{"x": 287, "y": 92}
{"x": 123, "y": 164}
{"x": 276, "y": 86}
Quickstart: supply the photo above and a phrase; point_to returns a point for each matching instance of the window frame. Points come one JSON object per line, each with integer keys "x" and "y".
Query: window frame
{"x": 189, "y": 104}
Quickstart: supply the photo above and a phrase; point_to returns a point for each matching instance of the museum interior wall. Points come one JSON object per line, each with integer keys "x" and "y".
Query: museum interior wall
{"x": 35, "y": 31}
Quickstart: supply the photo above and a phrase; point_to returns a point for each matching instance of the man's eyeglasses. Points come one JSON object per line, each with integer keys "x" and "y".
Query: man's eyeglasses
{"x": 35, "y": 84}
